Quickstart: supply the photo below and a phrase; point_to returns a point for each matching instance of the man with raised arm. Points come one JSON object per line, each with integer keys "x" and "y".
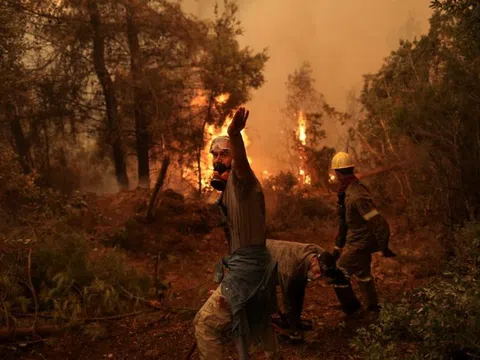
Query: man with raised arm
{"x": 245, "y": 300}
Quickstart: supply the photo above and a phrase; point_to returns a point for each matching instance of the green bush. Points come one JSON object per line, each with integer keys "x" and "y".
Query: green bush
{"x": 438, "y": 321}
{"x": 72, "y": 280}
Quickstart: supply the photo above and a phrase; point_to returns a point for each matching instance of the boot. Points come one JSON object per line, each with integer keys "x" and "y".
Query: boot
{"x": 347, "y": 298}
{"x": 369, "y": 294}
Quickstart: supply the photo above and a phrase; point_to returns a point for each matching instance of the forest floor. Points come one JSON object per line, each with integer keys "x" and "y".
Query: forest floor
{"x": 188, "y": 248}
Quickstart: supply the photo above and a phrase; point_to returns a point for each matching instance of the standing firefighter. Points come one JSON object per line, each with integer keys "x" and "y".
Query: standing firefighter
{"x": 362, "y": 231}
{"x": 297, "y": 264}
{"x": 246, "y": 298}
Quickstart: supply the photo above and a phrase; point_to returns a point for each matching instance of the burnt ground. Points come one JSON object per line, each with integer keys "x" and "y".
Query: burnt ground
{"x": 188, "y": 250}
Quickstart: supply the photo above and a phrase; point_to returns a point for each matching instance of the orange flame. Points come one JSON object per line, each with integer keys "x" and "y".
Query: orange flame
{"x": 223, "y": 98}
{"x": 302, "y": 128}
{"x": 302, "y": 136}
{"x": 201, "y": 99}
{"x": 210, "y": 133}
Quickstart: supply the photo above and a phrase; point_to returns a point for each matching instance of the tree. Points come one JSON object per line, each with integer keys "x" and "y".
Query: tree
{"x": 121, "y": 73}
{"x": 422, "y": 106}
{"x": 306, "y": 110}
{"x": 140, "y": 95}
{"x": 114, "y": 136}
{"x": 12, "y": 91}
{"x": 224, "y": 69}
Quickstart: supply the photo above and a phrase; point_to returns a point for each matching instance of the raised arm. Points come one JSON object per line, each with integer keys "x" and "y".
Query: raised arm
{"x": 241, "y": 166}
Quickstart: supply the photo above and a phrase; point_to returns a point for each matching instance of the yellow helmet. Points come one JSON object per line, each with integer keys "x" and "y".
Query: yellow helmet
{"x": 342, "y": 160}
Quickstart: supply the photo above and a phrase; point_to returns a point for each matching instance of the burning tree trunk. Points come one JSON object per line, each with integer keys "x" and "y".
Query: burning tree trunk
{"x": 113, "y": 128}
{"x": 140, "y": 98}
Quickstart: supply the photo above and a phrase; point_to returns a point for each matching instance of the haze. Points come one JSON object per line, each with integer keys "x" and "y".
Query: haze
{"x": 343, "y": 40}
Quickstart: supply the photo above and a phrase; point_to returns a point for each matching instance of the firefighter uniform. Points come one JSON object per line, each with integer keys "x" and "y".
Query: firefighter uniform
{"x": 363, "y": 231}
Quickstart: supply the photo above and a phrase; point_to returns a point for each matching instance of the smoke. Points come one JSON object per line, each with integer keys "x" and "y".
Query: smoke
{"x": 343, "y": 40}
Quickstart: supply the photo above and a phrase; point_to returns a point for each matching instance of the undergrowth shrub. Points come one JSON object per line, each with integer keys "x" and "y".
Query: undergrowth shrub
{"x": 71, "y": 280}
{"x": 293, "y": 205}
{"x": 438, "y": 321}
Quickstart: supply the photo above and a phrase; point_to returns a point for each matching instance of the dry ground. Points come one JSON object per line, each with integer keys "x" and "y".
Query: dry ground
{"x": 186, "y": 264}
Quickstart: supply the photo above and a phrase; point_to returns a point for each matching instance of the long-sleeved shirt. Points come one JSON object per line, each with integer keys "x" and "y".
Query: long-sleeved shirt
{"x": 365, "y": 227}
{"x": 249, "y": 285}
{"x": 293, "y": 259}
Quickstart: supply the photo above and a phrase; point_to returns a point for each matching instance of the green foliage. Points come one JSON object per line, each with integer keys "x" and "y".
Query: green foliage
{"x": 467, "y": 249}
{"x": 438, "y": 321}
{"x": 421, "y": 108}
{"x": 72, "y": 280}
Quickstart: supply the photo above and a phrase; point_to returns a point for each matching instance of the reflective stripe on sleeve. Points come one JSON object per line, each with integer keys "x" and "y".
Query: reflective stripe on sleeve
{"x": 370, "y": 214}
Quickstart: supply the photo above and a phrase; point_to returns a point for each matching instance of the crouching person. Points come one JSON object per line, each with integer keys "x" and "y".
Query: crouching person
{"x": 244, "y": 302}
{"x": 297, "y": 265}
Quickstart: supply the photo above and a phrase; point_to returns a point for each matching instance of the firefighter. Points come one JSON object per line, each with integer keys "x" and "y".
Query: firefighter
{"x": 362, "y": 231}
{"x": 244, "y": 302}
{"x": 297, "y": 265}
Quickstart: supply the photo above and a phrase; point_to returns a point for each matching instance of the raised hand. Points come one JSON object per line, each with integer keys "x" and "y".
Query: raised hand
{"x": 238, "y": 122}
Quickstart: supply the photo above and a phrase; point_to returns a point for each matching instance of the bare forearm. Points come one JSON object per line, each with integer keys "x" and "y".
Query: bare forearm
{"x": 242, "y": 167}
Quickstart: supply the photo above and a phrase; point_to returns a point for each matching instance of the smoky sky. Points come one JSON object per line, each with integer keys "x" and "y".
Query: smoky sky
{"x": 342, "y": 40}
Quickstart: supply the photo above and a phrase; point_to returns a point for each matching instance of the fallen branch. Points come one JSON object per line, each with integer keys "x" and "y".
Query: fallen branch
{"x": 147, "y": 302}
{"x": 41, "y": 330}
{"x": 87, "y": 320}
{"x": 193, "y": 288}
{"x": 25, "y": 343}
{"x": 116, "y": 317}
{"x": 177, "y": 309}
{"x": 48, "y": 330}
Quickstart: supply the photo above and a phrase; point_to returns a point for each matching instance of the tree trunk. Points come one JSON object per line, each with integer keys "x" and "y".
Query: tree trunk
{"x": 158, "y": 185}
{"x": 113, "y": 128}
{"x": 47, "y": 147}
{"x": 139, "y": 98}
{"x": 22, "y": 146}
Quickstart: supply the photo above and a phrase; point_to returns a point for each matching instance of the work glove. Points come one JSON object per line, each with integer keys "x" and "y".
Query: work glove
{"x": 388, "y": 253}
